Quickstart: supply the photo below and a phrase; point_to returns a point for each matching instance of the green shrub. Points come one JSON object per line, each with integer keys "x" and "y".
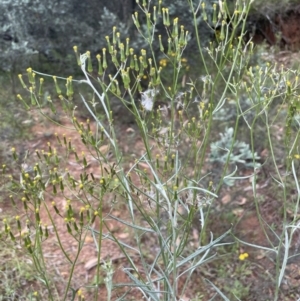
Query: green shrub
{"x": 164, "y": 190}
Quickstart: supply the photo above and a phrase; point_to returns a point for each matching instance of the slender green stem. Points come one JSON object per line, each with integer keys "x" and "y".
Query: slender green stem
{"x": 56, "y": 234}
{"x": 100, "y": 214}
{"x": 73, "y": 265}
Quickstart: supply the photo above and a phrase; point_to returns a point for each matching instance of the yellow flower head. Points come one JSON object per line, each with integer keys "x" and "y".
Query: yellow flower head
{"x": 243, "y": 256}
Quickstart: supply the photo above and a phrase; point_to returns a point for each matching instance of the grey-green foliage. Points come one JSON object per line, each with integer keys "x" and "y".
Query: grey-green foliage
{"x": 241, "y": 152}
{"x": 271, "y": 7}
{"x": 49, "y": 29}
{"x": 227, "y": 112}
